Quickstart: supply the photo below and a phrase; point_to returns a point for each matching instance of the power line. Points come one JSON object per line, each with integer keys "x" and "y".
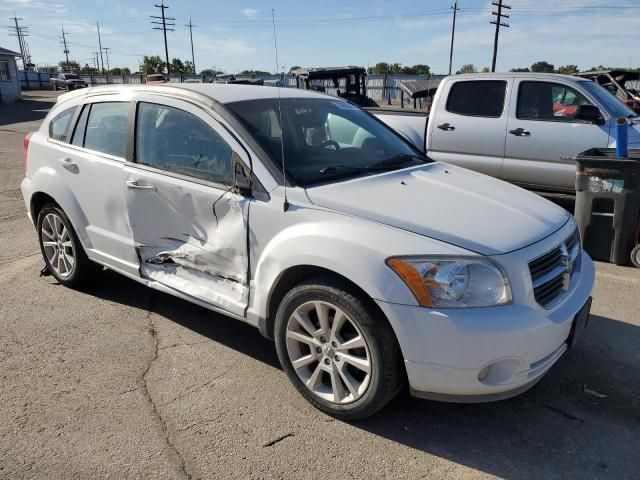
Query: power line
{"x": 193, "y": 58}
{"x": 165, "y": 26}
{"x": 498, "y": 23}
{"x": 453, "y": 33}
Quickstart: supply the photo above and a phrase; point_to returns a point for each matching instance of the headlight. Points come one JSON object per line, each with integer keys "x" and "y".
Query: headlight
{"x": 453, "y": 282}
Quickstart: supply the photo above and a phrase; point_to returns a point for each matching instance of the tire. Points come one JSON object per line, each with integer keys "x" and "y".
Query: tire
{"x": 55, "y": 87}
{"x": 351, "y": 321}
{"x": 55, "y": 236}
{"x": 635, "y": 256}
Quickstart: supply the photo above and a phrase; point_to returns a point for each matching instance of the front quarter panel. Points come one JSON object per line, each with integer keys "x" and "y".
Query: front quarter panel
{"x": 349, "y": 246}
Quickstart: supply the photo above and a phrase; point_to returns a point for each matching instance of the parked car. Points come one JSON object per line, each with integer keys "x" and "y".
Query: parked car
{"x": 524, "y": 128}
{"x": 67, "y": 81}
{"x": 369, "y": 263}
{"x": 623, "y": 84}
{"x": 155, "y": 78}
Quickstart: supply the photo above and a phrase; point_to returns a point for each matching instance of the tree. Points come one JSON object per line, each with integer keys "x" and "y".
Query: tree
{"x": 598, "y": 68}
{"x": 543, "y": 67}
{"x": 210, "y": 72}
{"x": 188, "y": 67}
{"x": 380, "y": 68}
{"x": 70, "y": 66}
{"x": 485, "y": 70}
{"x": 153, "y": 64}
{"x": 525, "y": 69}
{"x": 254, "y": 72}
{"x": 468, "y": 68}
{"x": 295, "y": 67}
{"x": 568, "y": 69}
{"x": 421, "y": 69}
{"x": 88, "y": 69}
{"x": 177, "y": 66}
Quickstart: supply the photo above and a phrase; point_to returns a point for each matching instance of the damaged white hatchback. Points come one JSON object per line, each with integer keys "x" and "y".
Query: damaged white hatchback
{"x": 301, "y": 214}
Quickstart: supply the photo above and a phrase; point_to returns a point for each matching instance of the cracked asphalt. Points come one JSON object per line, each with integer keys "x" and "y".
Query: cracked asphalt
{"x": 118, "y": 381}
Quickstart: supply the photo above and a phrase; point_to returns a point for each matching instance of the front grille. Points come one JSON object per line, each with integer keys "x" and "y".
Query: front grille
{"x": 551, "y": 273}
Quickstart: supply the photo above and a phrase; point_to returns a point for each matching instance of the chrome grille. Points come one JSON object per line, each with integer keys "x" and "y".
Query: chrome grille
{"x": 551, "y": 273}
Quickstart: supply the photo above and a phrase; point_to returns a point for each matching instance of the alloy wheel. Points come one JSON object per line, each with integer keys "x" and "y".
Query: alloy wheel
{"x": 328, "y": 352}
{"x": 57, "y": 245}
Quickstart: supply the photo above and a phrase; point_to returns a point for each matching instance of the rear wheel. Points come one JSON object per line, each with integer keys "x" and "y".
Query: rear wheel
{"x": 635, "y": 256}
{"x": 337, "y": 350}
{"x": 62, "y": 252}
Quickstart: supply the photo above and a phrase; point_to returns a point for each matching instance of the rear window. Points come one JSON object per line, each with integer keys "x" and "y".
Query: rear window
{"x": 59, "y": 125}
{"x": 106, "y": 129}
{"x": 478, "y": 98}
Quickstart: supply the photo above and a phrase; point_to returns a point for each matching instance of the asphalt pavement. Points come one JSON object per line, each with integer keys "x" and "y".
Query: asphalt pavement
{"x": 119, "y": 381}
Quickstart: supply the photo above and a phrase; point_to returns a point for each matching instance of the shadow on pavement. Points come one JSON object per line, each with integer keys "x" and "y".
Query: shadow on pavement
{"x": 581, "y": 421}
{"x": 25, "y": 111}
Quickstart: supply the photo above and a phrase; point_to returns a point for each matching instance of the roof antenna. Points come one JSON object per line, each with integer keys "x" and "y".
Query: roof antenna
{"x": 275, "y": 46}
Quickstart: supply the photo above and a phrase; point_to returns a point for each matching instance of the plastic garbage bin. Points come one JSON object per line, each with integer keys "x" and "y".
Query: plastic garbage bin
{"x": 608, "y": 204}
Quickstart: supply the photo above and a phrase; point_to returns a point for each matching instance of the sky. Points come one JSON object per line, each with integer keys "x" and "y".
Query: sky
{"x": 238, "y": 35}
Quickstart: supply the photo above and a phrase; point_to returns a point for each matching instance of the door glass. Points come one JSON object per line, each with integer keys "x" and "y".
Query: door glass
{"x": 58, "y": 126}
{"x": 548, "y": 101}
{"x": 107, "y": 128}
{"x": 174, "y": 140}
{"x": 478, "y": 98}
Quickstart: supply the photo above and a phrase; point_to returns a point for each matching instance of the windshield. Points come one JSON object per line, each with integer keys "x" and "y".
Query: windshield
{"x": 325, "y": 139}
{"x": 72, "y": 77}
{"x": 614, "y": 105}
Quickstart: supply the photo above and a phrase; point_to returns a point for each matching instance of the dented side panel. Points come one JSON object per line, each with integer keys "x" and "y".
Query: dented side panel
{"x": 191, "y": 237}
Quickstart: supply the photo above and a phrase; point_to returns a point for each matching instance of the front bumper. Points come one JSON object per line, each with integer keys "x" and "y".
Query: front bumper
{"x": 484, "y": 354}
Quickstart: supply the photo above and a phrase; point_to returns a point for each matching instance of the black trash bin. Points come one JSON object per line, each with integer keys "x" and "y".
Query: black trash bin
{"x": 608, "y": 204}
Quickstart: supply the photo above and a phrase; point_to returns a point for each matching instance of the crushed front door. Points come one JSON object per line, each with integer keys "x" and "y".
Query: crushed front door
{"x": 190, "y": 234}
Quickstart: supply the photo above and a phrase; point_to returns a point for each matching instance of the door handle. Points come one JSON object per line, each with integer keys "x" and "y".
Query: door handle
{"x": 520, "y": 132}
{"x": 66, "y": 161}
{"x": 134, "y": 185}
{"x": 446, "y": 127}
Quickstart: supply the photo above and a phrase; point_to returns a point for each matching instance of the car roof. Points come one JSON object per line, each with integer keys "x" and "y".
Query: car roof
{"x": 218, "y": 92}
{"x": 530, "y": 75}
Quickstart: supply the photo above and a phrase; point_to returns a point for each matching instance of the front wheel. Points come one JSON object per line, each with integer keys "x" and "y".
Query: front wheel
{"x": 337, "y": 350}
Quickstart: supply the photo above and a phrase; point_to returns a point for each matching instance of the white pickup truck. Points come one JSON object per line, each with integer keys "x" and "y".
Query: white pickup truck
{"x": 524, "y": 128}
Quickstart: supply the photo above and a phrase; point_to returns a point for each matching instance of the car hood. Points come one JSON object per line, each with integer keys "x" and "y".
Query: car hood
{"x": 447, "y": 203}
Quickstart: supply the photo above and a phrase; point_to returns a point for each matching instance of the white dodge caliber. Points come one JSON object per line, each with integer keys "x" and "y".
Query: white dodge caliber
{"x": 369, "y": 264}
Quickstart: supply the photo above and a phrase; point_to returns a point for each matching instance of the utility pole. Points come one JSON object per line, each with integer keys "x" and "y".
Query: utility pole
{"x": 96, "y": 60}
{"x": 20, "y": 32}
{"x": 453, "y": 34}
{"x": 165, "y": 26}
{"x": 100, "y": 47}
{"x": 498, "y": 23}
{"x": 193, "y": 59}
{"x": 106, "y": 52}
{"x": 64, "y": 42}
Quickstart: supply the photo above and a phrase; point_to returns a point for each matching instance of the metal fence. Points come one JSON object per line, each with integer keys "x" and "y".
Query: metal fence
{"x": 380, "y": 88}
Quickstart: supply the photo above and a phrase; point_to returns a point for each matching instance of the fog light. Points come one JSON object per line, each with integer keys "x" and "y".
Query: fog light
{"x": 500, "y": 372}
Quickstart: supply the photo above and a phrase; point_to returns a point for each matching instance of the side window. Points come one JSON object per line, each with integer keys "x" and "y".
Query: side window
{"x": 59, "y": 124}
{"x": 106, "y": 129}
{"x": 548, "y": 101}
{"x": 177, "y": 141}
{"x": 81, "y": 127}
{"x": 477, "y": 98}
{"x": 5, "y": 72}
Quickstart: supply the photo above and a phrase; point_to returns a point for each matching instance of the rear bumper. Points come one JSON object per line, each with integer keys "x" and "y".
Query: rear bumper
{"x": 484, "y": 354}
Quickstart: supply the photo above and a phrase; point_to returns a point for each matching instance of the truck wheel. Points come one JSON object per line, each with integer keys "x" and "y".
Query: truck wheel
{"x": 63, "y": 254}
{"x": 336, "y": 350}
{"x": 635, "y": 256}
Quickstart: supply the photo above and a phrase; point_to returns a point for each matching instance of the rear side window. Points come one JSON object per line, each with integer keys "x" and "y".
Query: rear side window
{"x": 177, "y": 141}
{"x": 478, "y": 98}
{"x": 60, "y": 123}
{"x": 106, "y": 129}
{"x": 81, "y": 127}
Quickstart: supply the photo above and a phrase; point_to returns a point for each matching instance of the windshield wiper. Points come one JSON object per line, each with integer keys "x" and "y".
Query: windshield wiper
{"x": 395, "y": 161}
{"x": 341, "y": 169}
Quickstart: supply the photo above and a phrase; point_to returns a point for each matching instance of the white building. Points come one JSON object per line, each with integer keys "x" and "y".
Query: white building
{"x": 9, "y": 80}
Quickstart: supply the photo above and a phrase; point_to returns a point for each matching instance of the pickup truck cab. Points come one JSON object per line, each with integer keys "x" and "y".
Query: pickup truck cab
{"x": 67, "y": 81}
{"x": 524, "y": 128}
{"x": 301, "y": 214}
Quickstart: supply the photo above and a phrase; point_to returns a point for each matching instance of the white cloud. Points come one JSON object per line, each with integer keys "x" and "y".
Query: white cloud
{"x": 250, "y": 12}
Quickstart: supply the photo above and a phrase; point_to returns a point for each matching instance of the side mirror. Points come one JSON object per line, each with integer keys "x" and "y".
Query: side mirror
{"x": 241, "y": 179}
{"x": 590, "y": 114}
